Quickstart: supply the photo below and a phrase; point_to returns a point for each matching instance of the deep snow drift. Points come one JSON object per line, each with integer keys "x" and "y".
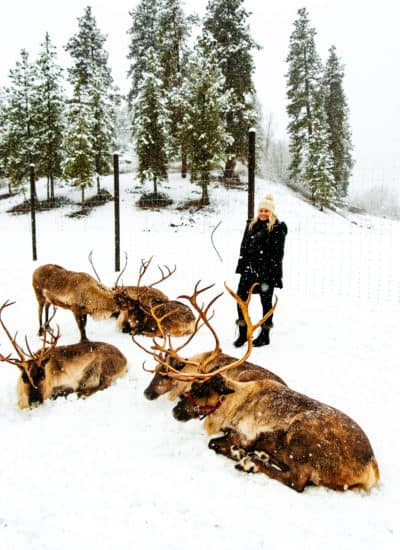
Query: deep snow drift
{"x": 116, "y": 470}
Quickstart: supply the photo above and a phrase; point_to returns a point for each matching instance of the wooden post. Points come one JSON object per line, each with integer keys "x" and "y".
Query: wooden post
{"x": 116, "y": 212}
{"x": 33, "y": 205}
{"x": 251, "y": 163}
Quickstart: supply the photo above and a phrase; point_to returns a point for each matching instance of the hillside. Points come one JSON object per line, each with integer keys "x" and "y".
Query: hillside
{"x": 116, "y": 470}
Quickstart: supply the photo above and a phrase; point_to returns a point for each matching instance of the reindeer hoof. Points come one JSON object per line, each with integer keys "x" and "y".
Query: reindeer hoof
{"x": 237, "y": 453}
{"x": 247, "y": 465}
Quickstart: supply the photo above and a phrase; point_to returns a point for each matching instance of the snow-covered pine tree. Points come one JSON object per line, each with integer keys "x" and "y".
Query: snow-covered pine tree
{"x": 151, "y": 124}
{"x": 17, "y": 135}
{"x": 91, "y": 77}
{"x": 303, "y": 83}
{"x": 204, "y": 128}
{"x": 143, "y": 36}
{"x": 79, "y": 162}
{"x": 226, "y": 23}
{"x": 318, "y": 173}
{"x": 173, "y": 30}
{"x": 337, "y": 115}
{"x": 48, "y": 104}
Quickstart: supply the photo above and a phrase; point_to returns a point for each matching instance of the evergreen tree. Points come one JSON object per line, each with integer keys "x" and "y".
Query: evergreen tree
{"x": 91, "y": 78}
{"x": 303, "y": 80}
{"x": 79, "y": 163}
{"x": 173, "y": 30}
{"x": 150, "y": 123}
{"x": 225, "y": 23}
{"x": 339, "y": 135}
{"x": 17, "y": 132}
{"x": 143, "y": 36}
{"x": 48, "y": 115}
{"x": 318, "y": 173}
{"x": 206, "y": 102}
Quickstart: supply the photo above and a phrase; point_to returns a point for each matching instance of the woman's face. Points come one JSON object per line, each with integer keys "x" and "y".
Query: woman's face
{"x": 263, "y": 214}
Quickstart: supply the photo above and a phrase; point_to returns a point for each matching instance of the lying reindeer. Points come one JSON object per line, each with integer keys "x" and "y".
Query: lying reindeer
{"x": 166, "y": 380}
{"x": 269, "y": 427}
{"x": 77, "y": 291}
{"x": 54, "y": 371}
{"x": 177, "y": 318}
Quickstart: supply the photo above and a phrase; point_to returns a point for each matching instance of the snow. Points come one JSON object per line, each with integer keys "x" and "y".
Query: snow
{"x": 118, "y": 471}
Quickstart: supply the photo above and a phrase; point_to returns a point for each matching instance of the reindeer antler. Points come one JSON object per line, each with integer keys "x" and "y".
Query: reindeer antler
{"x": 164, "y": 353}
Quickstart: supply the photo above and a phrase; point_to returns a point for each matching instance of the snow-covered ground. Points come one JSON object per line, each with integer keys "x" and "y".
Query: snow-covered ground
{"x": 117, "y": 471}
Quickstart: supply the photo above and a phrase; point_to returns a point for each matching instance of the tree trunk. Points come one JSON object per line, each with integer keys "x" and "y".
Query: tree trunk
{"x": 184, "y": 162}
{"x": 98, "y": 184}
{"x": 83, "y": 197}
{"x": 230, "y": 165}
{"x": 205, "y": 199}
{"x": 155, "y": 185}
{"x": 48, "y": 188}
{"x": 52, "y": 198}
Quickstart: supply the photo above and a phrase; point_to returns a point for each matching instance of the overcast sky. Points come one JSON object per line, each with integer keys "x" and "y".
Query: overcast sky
{"x": 365, "y": 33}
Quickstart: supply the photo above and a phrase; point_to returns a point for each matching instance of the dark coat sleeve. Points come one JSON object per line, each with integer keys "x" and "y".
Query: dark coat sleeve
{"x": 243, "y": 257}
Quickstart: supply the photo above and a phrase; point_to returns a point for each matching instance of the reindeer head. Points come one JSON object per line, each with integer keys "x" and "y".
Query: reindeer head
{"x": 182, "y": 372}
{"x": 201, "y": 399}
{"x": 31, "y": 364}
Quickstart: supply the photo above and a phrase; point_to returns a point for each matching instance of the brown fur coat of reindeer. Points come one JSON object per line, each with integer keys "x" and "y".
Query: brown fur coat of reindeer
{"x": 54, "y": 371}
{"x": 77, "y": 291}
{"x": 267, "y": 426}
{"x": 151, "y": 304}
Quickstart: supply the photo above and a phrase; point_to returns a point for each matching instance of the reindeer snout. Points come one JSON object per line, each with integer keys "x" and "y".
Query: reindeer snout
{"x": 150, "y": 394}
{"x": 180, "y": 413}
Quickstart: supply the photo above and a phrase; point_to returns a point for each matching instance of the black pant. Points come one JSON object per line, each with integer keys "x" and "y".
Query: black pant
{"x": 266, "y": 294}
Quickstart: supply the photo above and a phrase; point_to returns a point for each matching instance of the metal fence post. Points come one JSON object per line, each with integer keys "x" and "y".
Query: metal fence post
{"x": 33, "y": 205}
{"x": 251, "y": 173}
{"x": 116, "y": 212}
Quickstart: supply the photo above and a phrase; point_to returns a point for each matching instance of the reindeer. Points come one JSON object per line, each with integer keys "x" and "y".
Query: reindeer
{"x": 177, "y": 318}
{"x": 167, "y": 380}
{"x": 54, "y": 371}
{"x": 268, "y": 427}
{"x": 77, "y": 291}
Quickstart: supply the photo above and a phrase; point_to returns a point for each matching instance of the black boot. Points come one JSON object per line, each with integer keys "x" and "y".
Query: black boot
{"x": 262, "y": 339}
{"x": 242, "y": 338}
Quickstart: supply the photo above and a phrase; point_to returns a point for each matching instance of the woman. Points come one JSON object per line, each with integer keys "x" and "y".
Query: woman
{"x": 260, "y": 261}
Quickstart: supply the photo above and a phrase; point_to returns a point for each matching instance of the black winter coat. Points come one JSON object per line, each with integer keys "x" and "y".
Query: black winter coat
{"x": 261, "y": 253}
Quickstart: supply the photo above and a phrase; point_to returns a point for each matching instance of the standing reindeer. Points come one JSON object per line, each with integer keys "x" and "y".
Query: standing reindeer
{"x": 54, "y": 371}
{"x": 266, "y": 426}
{"x": 77, "y": 291}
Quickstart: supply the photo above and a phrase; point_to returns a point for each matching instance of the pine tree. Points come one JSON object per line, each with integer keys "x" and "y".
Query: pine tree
{"x": 318, "y": 174}
{"x": 48, "y": 115}
{"x": 143, "y": 36}
{"x": 303, "y": 81}
{"x": 203, "y": 127}
{"x": 337, "y": 114}
{"x": 91, "y": 78}
{"x": 173, "y": 30}
{"x": 225, "y": 23}
{"x": 79, "y": 163}
{"x": 150, "y": 123}
{"x": 17, "y": 134}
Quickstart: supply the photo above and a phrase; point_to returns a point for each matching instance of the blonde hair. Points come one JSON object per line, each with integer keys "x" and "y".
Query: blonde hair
{"x": 270, "y": 223}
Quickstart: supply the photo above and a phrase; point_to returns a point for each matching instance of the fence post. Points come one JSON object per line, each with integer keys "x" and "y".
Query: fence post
{"x": 33, "y": 201}
{"x": 251, "y": 163}
{"x": 116, "y": 212}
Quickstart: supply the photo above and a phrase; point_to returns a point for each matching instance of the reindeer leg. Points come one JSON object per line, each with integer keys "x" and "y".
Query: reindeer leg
{"x": 295, "y": 479}
{"x": 80, "y": 318}
{"x": 40, "y": 314}
{"x": 228, "y": 445}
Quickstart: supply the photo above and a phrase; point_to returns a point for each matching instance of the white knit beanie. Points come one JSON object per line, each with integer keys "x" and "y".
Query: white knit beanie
{"x": 268, "y": 203}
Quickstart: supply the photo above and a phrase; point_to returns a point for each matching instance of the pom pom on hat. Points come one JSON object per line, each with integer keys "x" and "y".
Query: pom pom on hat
{"x": 268, "y": 203}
